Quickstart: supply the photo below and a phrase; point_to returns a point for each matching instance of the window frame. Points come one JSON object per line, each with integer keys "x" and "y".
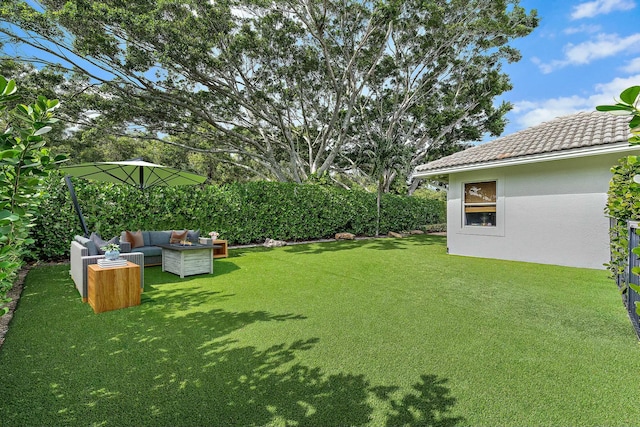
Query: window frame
{"x": 501, "y": 220}
{"x": 480, "y": 204}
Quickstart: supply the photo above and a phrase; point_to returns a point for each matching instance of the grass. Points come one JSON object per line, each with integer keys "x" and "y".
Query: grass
{"x": 379, "y": 332}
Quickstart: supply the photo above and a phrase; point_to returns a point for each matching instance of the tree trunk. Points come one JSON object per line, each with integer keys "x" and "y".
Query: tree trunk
{"x": 380, "y": 184}
{"x": 415, "y": 182}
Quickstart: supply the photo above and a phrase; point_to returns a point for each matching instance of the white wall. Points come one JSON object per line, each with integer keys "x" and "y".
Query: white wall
{"x": 550, "y": 213}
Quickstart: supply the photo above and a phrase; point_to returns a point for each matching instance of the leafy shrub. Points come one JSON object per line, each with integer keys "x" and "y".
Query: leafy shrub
{"x": 427, "y": 193}
{"x": 623, "y": 202}
{"x": 24, "y": 162}
{"x": 241, "y": 213}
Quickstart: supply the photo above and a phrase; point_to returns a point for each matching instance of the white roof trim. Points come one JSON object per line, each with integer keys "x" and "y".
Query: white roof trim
{"x": 536, "y": 158}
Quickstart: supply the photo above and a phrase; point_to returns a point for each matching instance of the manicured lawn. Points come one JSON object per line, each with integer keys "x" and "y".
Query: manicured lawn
{"x": 378, "y": 332}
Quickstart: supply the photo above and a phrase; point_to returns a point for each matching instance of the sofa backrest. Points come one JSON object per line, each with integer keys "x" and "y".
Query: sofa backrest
{"x": 154, "y": 238}
{"x": 159, "y": 237}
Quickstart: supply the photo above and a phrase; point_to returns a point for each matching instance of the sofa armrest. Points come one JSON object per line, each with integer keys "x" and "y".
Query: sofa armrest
{"x": 76, "y": 269}
{"x": 79, "y": 248}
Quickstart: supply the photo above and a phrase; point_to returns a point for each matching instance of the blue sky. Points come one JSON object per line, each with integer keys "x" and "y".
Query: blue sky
{"x": 582, "y": 54}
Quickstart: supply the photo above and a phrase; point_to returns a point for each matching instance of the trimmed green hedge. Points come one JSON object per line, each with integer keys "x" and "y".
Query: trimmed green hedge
{"x": 436, "y": 228}
{"x": 241, "y": 213}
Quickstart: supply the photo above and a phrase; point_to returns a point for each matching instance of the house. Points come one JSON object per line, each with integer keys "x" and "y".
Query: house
{"x": 537, "y": 195}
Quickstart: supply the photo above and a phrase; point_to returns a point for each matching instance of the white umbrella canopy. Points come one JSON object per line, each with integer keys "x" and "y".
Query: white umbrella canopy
{"x": 136, "y": 172}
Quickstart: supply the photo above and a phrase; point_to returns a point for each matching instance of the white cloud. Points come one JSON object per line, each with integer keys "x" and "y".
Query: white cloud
{"x": 589, "y": 29}
{"x": 600, "y": 7}
{"x": 530, "y": 113}
{"x": 603, "y": 46}
{"x": 608, "y": 92}
{"x": 547, "y": 68}
{"x": 632, "y": 66}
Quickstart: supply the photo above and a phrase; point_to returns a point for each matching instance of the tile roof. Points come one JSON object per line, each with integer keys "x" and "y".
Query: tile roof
{"x": 576, "y": 131}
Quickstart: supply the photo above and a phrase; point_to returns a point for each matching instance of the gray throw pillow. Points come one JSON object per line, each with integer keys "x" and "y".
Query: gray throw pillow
{"x": 193, "y": 236}
{"x": 99, "y": 242}
{"x": 87, "y": 243}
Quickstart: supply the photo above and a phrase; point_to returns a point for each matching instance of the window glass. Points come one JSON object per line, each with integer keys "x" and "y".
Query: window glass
{"x": 480, "y": 204}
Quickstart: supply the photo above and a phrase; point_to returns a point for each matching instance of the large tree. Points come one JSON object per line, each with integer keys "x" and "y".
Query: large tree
{"x": 285, "y": 88}
{"x": 92, "y": 144}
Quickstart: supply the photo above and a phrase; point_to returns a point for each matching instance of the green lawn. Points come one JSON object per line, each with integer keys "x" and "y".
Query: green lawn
{"x": 378, "y": 332}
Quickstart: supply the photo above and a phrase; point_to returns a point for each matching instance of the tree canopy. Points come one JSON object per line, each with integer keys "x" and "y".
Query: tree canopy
{"x": 285, "y": 89}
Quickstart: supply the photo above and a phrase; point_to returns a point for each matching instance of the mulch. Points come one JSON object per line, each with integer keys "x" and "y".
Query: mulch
{"x": 14, "y": 293}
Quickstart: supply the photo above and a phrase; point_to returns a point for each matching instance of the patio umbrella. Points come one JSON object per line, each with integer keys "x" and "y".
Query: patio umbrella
{"x": 136, "y": 172}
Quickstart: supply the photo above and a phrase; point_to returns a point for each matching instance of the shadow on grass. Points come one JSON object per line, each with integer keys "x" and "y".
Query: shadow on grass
{"x": 155, "y": 275}
{"x": 428, "y": 406}
{"x": 382, "y": 244}
{"x": 169, "y": 364}
{"x": 239, "y": 252}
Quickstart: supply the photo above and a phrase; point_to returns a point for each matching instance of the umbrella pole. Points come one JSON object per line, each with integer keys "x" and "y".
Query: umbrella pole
{"x": 74, "y": 199}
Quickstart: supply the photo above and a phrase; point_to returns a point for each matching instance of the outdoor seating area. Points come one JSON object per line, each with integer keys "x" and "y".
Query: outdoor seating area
{"x": 180, "y": 252}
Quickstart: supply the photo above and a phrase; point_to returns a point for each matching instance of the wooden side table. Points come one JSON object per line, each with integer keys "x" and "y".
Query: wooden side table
{"x": 219, "y": 252}
{"x": 112, "y": 288}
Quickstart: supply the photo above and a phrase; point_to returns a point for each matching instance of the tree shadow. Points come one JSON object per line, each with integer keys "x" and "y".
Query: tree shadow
{"x": 387, "y": 244}
{"x": 177, "y": 300}
{"x": 381, "y": 243}
{"x": 317, "y": 248}
{"x": 430, "y": 405}
{"x": 195, "y": 376}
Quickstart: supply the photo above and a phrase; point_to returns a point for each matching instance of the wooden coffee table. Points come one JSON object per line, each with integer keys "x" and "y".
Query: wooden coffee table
{"x": 187, "y": 260}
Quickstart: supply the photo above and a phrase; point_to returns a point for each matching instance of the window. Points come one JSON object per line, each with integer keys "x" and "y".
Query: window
{"x": 480, "y": 204}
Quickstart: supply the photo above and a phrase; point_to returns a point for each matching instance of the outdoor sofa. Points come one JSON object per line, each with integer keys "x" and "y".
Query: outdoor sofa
{"x": 85, "y": 252}
{"x": 150, "y": 240}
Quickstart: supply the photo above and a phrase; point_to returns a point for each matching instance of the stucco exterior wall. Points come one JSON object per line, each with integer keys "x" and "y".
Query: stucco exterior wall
{"x": 550, "y": 213}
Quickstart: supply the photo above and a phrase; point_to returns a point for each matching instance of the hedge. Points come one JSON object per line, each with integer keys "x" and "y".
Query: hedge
{"x": 623, "y": 203}
{"x": 241, "y": 213}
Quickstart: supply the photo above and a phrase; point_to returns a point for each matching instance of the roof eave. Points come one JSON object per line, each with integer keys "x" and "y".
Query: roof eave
{"x": 620, "y": 147}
